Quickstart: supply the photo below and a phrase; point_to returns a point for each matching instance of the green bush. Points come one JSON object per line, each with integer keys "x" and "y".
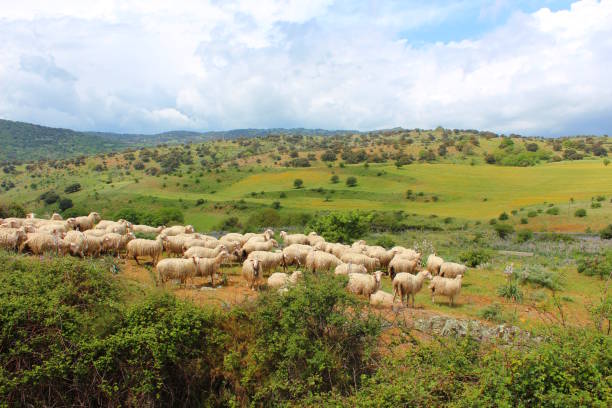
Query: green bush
{"x": 532, "y": 214}
{"x": 524, "y": 221}
{"x": 493, "y": 313}
{"x": 503, "y": 216}
{"x": 385, "y": 241}
{"x": 351, "y": 181}
{"x": 475, "y": 257}
{"x": 524, "y": 236}
{"x": 72, "y": 188}
{"x": 553, "y": 211}
{"x": 9, "y": 210}
{"x": 595, "y": 264}
{"x": 230, "y": 224}
{"x": 511, "y": 291}
{"x": 581, "y": 212}
{"x": 606, "y": 232}
{"x": 341, "y": 227}
{"x": 503, "y": 230}
{"x": 595, "y": 205}
{"x": 65, "y": 203}
{"x": 539, "y": 276}
{"x": 298, "y": 183}
{"x": 266, "y": 218}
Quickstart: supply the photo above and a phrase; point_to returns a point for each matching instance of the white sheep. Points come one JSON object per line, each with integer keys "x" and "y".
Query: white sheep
{"x": 258, "y": 246}
{"x": 296, "y": 254}
{"x": 84, "y": 223}
{"x": 251, "y": 272}
{"x": 445, "y": 287}
{"x": 314, "y": 239}
{"x": 39, "y": 243}
{"x": 176, "y": 268}
{"x": 177, "y": 230}
{"x": 365, "y": 285}
{"x": 321, "y": 261}
{"x": 346, "y": 268}
{"x": 79, "y": 240}
{"x": 269, "y": 260}
{"x": 202, "y": 252}
{"x": 289, "y": 239}
{"x": 381, "y": 299}
{"x": 451, "y": 269}
{"x": 380, "y": 253}
{"x": 94, "y": 233}
{"x": 56, "y": 217}
{"x": 94, "y": 245}
{"x": 210, "y": 266}
{"x": 433, "y": 264}
{"x": 115, "y": 243}
{"x": 12, "y": 238}
{"x": 280, "y": 280}
{"x": 407, "y": 285}
{"x": 145, "y": 247}
{"x": 173, "y": 244}
{"x": 145, "y": 229}
{"x": 401, "y": 264}
{"x": 371, "y": 264}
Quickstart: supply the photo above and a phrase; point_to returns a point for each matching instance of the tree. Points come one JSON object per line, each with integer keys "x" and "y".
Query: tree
{"x": 341, "y": 227}
{"x": 334, "y": 179}
{"x": 532, "y": 147}
{"x": 328, "y": 156}
{"x": 298, "y": 183}
{"x": 73, "y": 188}
{"x": 65, "y": 203}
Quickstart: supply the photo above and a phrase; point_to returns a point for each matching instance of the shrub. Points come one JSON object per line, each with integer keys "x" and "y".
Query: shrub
{"x": 298, "y": 183}
{"x": 334, "y": 179}
{"x": 475, "y": 257}
{"x": 511, "y": 291}
{"x": 532, "y": 214}
{"x": 351, "y": 181}
{"x": 65, "y": 203}
{"x": 503, "y": 216}
{"x": 230, "y": 224}
{"x": 492, "y": 313}
{"x": 9, "y": 210}
{"x": 276, "y": 205}
{"x": 524, "y": 236}
{"x": 524, "y": 220}
{"x": 49, "y": 197}
{"x": 385, "y": 241}
{"x": 503, "y": 230}
{"x": 328, "y": 156}
{"x": 539, "y": 276}
{"x": 606, "y": 232}
{"x": 268, "y": 217}
{"x": 553, "y": 211}
{"x": 595, "y": 264}
{"x": 341, "y": 227}
{"x": 595, "y": 205}
{"x": 72, "y": 188}
{"x": 581, "y": 212}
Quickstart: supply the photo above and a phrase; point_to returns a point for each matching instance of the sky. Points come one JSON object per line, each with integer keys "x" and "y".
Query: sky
{"x": 146, "y": 66}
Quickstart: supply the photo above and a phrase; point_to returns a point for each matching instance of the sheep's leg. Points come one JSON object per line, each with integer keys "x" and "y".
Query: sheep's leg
{"x": 413, "y": 300}
{"x": 136, "y": 259}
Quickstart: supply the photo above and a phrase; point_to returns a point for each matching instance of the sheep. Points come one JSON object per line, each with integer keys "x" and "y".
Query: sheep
{"x": 53, "y": 228}
{"x": 451, "y": 269}
{"x": 94, "y": 233}
{"x": 380, "y": 298}
{"x": 280, "y": 280}
{"x": 230, "y": 244}
{"x": 80, "y": 240}
{"x": 115, "y": 243}
{"x": 84, "y": 223}
{"x": 445, "y": 287}
{"x": 289, "y": 239}
{"x": 173, "y": 244}
{"x": 321, "y": 261}
{"x": 370, "y": 263}
{"x": 400, "y": 264}
{"x": 202, "y": 252}
{"x": 13, "y": 222}
{"x": 177, "y": 230}
{"x": 433, "y": 264}
{"x": 145, "y": 229}
{"x": 234, "y": 236}
{"x": 365, "y": 285}
{"x": 145, "y": 247}
{"x": 210, "y": 266}
{"x": 39, "y": 243}
{"x": 346, "y": 268}
{"x": 407, "y": 252}
{"x": 94, "y": 245}
{"x": 56, "y": 217}
{"x": 269, "y": 260}
{"x": 172, "y": 268}
{"x": 251, "y": 270}
{"x": 380, "y": 253}
{"x": 12, "y": 239}
{"x": 407, "y": 285}
{"x": 314, "y": 239}
{"x": 296, "y": 254}
{"x": 258, "y": 246}
{"x": 337, "y": 249}
{"x": 199, "y": 242}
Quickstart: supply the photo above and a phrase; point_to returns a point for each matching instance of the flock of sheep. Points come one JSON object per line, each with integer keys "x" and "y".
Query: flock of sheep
{"x": 191, "y": 254}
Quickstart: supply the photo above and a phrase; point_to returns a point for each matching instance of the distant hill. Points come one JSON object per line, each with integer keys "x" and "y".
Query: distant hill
{"x": 20, "y": 141}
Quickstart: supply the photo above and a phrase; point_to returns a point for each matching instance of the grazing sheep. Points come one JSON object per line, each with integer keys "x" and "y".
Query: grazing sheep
{"x": 84, "y": 223}
{"x": 407, "y": 285}
{"x": 177, "y": 230}
{"x": 400, "y": 264}
{"x": 290, "y": 239}
{"x": 251, "y": 271}
{"x": 365, "y": 285}
{"x": 433, "y": 264}
{"x": 106, "y": 224}
{"x": 79, "y": 239}
{"x": 95, "y": 233}
{"x": 173, "y": 268}
{"x": 202, "y": 252}
{"x": 145, "y": 229}
{"x": 407, "y": 252}
{"x": 39, "y": 243}
{"x": 371, "y": 264}
{"x": 337, "y": 249}
{"x": 230, "y": 244}
{"x": 280, "y": 280}
{"x": 381, "y": 299}
{"x": 258, "y": 246}
{"x": 380, "y": 253}
{"x": 115, "y": 243}
{"x": 13, "y": 222}
{"x": 145, "y": 247}
{"x": 234, "y": 236}
{"x": 314, "y": 239}
{"x": 210, "y": 266}
{"x": 56, "y": 217}
{"x": 210, "y": 243}
{"x": 296, "y": 254}
{"x": 94, "y": 245}
{"x": 445, "y": 287}
{"x": 321, "y": 261}
{"x": 12, "y": 238}
{"x": 451, "y": 269}
{"x": 173, "y": 244}
{"x": 269, "y": 260}
{"x": 346, "y": 268}
{"x": 53, "y": 228}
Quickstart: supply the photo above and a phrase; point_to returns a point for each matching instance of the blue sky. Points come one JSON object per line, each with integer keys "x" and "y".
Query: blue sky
{"x": 525, "y": 66}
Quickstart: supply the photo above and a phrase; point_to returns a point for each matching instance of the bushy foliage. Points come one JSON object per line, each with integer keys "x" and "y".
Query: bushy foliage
{"x": 606, "y": 232}
{"x": 8, "y": 210}
{"x": 163, "y": 216}
{"x": 537, "y": 275}
{"x": 72, "y": 188}
{"x": 503, "y": 230}
{"x": 340, "y": 227}
{"x": 475, "y": 257}
{"x": 553, "y": 211}
{"x": 581, "y": 212}
{"x": 49, "y": 197}
{"x": 524, "y": 236}
{"x": 595, "y": 264}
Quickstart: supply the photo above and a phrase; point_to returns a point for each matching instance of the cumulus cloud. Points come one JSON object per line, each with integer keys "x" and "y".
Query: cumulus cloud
{"x": 153, "y": 66}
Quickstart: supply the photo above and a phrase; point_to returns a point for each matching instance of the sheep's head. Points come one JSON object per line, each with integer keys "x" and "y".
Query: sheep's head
{"x": 459, "y": 277}
{"x": 189, "y": 229}
{"x": 274, "y": 243}
{"x": 95, "y": 216}
{"x": 378, "y": 276}
{"x": 255, "y": 263}
{"x": 283, "y": 235}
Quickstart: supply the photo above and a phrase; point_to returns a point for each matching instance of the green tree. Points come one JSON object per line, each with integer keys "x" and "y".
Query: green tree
{"x": 298, "y": 183}
{"x": 341, "y": 227}
{"x": 334, "y": 179}
{"x": 351, "y": 181}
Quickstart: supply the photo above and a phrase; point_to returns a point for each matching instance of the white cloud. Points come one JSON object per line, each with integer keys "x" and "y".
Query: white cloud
{"x": 154, "y": 65}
